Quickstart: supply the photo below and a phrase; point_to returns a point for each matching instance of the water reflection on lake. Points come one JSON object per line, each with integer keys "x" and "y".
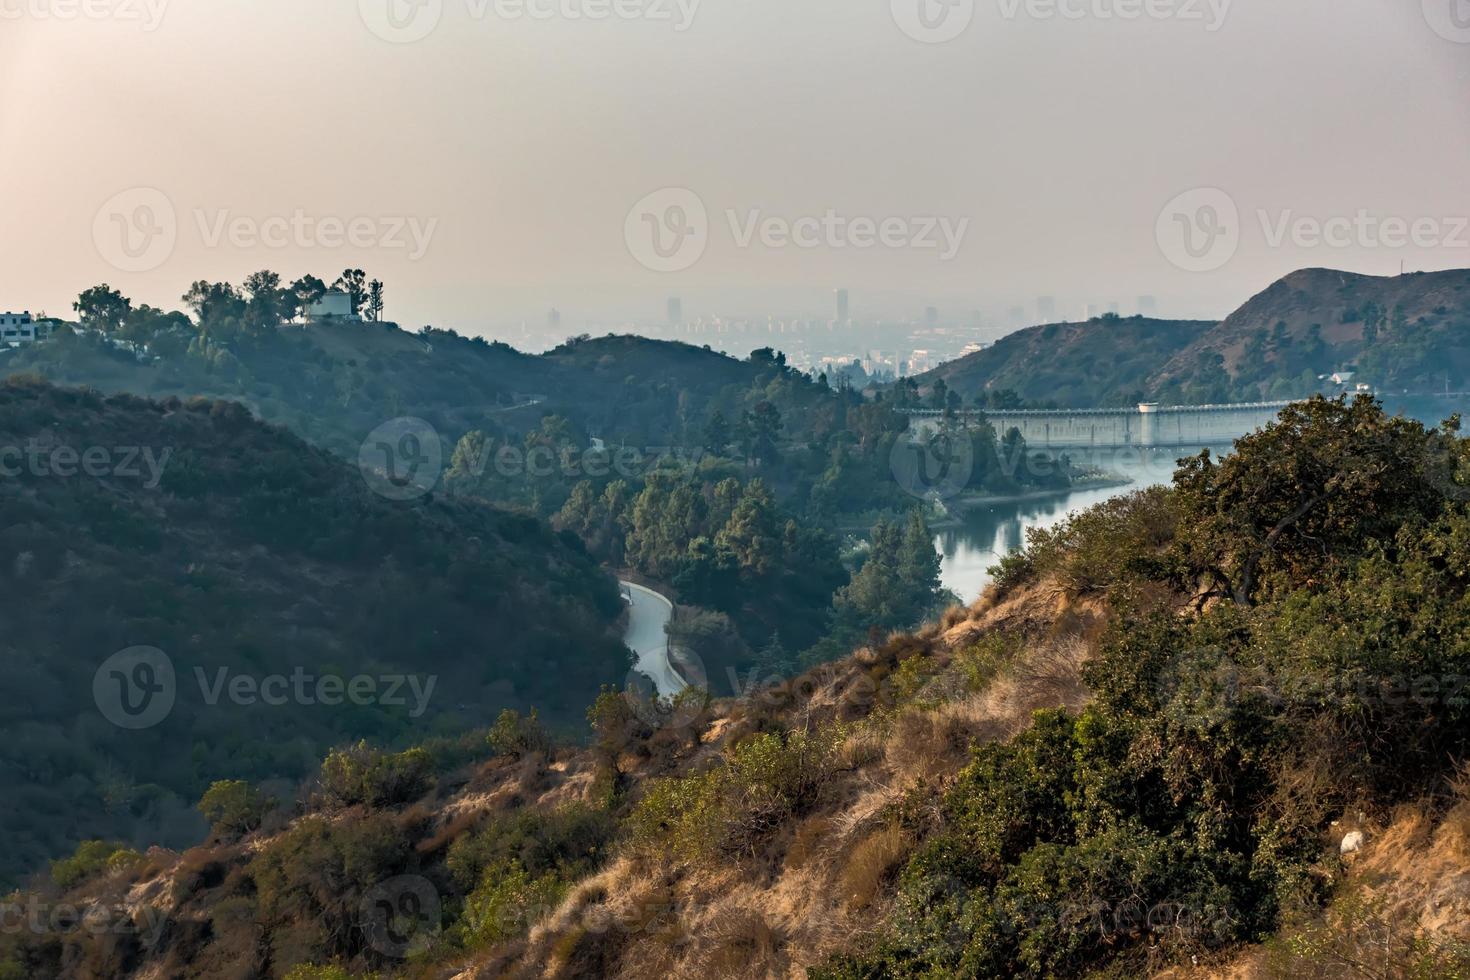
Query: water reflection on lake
{"x": 992, "y": 531}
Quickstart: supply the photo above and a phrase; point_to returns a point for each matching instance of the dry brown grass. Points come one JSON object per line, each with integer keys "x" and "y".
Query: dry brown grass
{"x": 454, "y": 825}
{"x": 953, "y": 616}
{"x": 821, "y": 884}
{"x": 871, "y": 863}
{"x": 809, "y": 842}
{"x": 744, "y": 943}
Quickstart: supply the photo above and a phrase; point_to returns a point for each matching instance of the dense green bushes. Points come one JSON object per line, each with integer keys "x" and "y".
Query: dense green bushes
{"x": 233, "y": 807}
{"x": 1185, "y": 808}
{"x": 91, "y": 858}
{"x": 311, "y": 883}
{"x": 362, "y": 774}
{"x": 515, "y": 736}
{"x": 1308, "y": 494}
{"x": 729, "y": 810}
{"x": 1098, "y": 548}
{"x": 517, "y": 866}
{"x": 1082, "y": 836}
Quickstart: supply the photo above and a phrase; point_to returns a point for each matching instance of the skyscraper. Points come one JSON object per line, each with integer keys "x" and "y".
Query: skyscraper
{"x": 842, "y": 305}
{"x": 676, "y": 311}
{"x": 1147, "y": 306}
{"x": 1046, "y": 309}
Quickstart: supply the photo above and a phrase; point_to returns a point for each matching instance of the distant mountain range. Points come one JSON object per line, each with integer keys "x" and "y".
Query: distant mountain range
{"x": 1403, "y": 333}
{"x": 334, "y": 383}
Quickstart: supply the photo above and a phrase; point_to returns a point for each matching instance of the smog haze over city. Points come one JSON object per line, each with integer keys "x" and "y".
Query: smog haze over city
{"x": 518, "y": 135}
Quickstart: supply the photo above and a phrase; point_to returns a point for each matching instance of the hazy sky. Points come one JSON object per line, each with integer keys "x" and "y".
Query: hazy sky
{"x": 495, "y": 163}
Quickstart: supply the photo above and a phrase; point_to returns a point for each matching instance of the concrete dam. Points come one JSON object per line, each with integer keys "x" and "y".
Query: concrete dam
{"x": 1149, "y": 426}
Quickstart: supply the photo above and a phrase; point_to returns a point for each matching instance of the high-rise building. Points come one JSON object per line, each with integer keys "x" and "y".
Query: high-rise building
{"x": 1046, "y": 309}
{"x": 931, "y": 316}
{"x": 1148, "y": 306}
{"x": 842, "y": 305}
{"x": 553, "y": 319}
{"x": 1018, "y": 316}
{"x": 1115, "y": 308}
{"x": 676, "y": 311}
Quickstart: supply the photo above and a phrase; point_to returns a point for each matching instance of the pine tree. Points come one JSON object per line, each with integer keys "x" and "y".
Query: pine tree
{"x": 750, "y": 534}
{"x": 717, "y": 433}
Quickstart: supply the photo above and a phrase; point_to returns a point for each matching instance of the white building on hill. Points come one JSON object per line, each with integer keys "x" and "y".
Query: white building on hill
{"x": 18, "y": 329}
{"x": 334, "y": 305}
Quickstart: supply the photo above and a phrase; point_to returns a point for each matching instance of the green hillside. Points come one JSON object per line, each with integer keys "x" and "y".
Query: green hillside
{"x": 333, "y": 383}
{"x": 1213, "y": 729}
{"x": 228, "y": 544}
{"x": 1101, "y": 363}
{"x": 1406, "y": 333}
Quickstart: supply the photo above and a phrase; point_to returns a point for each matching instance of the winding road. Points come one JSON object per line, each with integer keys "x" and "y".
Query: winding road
{"x": 648, "y": 614}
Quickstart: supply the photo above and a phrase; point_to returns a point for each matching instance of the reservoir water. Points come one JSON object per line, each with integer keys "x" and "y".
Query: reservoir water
{"x": 992, "y": 531}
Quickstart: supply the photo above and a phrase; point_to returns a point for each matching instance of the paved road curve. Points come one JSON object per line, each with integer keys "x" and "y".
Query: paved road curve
{"x": 648, "y": 614}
